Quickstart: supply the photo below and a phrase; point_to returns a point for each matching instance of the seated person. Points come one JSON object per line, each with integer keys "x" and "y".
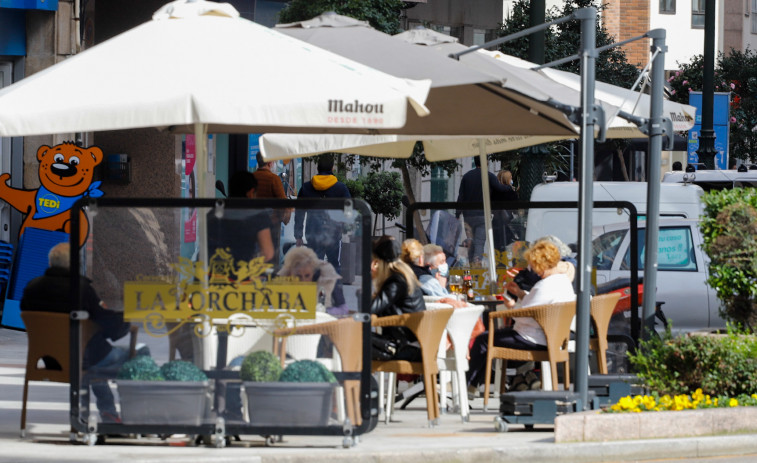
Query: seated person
{"x": 245, "y": 233}
{"x": 412, "y": 255}
{"x": 554, "y": 286}
{"x": 435, "y": 283}
{"x": 50, "y": 293}
{"x": 397, "y": 291}
{"x": 303, "y": 263}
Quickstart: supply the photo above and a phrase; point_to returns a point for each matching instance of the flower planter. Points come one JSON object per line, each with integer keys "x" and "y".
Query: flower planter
{"x": 289, "y": 404}
{"x": 598, "y": 426}
{"x": 163, "y": 402}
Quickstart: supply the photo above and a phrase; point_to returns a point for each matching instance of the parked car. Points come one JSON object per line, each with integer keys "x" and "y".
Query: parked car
{"x": 690, "y": 304}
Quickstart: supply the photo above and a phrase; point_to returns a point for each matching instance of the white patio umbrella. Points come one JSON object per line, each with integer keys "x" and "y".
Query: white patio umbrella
{"x": 198, "y": 67}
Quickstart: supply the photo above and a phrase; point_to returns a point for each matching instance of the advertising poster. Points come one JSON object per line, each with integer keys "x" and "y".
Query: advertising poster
{"x": 720, "y": 124}
{"x": 190, "y": 215}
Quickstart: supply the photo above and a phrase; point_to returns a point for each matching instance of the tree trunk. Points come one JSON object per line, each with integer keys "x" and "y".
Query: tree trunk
{"x": 419, "y": 231}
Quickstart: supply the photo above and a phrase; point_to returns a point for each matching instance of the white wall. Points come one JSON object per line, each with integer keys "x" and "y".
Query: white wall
{"x": 683, "y": 41}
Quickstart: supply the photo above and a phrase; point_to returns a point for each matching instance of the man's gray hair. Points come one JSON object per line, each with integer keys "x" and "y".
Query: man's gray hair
{"x": 60, "y": 256}
{"x": 430, "y": 251}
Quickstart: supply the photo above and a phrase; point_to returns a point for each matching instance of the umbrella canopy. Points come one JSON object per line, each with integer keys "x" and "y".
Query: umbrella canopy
{"x": 463, "y": 101}
{"x": 199, "y": 62}
{"x": 564, "y": 85}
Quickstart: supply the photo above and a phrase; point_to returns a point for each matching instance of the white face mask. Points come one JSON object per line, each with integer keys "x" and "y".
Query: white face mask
{"x": 443, "y": 269}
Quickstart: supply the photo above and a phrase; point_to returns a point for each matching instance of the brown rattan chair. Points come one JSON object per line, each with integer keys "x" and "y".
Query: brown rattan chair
{"x": 347, "y": 336}
{"x": 49, "y": 338}
{"x": 555, "y": 320}
{"x": 602, "y": 307}
{"x": 428, "y": 326}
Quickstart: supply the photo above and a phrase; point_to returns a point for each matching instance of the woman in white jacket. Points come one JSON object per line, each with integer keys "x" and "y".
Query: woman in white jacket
{"x": 525, "y": 333}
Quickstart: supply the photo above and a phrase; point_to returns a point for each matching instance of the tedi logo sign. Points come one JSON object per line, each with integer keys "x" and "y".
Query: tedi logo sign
{"x": 339, "y": 106}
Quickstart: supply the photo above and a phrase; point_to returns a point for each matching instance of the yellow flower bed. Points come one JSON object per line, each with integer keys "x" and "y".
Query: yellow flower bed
{"x": 697, "y": 400}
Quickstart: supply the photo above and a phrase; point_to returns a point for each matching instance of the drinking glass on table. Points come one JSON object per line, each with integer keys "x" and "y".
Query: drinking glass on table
{"x": 455, "y": 284}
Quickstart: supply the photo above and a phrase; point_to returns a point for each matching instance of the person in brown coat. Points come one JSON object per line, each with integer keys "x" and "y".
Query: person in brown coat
{"x": 270, "y": 186}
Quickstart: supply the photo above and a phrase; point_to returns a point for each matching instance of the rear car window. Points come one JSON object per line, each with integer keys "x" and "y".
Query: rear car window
{"x": 675, "y": 250}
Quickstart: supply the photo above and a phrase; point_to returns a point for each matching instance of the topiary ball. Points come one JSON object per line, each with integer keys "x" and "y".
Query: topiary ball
{"x": 181, "y": 370}
{"x": 307, "y": 371}
{"x": 260, "y": 366}
{"x": 140, "y": 368}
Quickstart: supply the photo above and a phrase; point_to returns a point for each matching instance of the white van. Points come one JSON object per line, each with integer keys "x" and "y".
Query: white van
{"x": 676, "y": 200}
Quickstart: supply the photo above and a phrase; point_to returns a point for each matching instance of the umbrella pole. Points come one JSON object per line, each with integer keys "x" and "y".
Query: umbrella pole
{"x": 488, "y": 215}
{"x": 201, "y": 167}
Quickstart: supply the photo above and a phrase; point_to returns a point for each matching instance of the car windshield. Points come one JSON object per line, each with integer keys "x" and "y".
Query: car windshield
{"x": 605, "y": 248}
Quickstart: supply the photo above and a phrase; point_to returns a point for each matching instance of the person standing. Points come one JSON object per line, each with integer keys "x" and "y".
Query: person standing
{"x": 322, "y": 234}
{"x": 502, "y": 217}
{"x": 471, "y": 191}
{"x": 271, "y": 186}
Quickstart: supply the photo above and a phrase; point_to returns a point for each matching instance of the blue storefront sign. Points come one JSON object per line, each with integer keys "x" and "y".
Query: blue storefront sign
{"x": 253, "y": 147}
{"x": 721, "y": 124}
{"x": 49, "y": 5}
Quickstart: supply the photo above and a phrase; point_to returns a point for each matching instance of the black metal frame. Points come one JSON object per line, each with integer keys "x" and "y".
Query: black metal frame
{"x": 91, "y": 205}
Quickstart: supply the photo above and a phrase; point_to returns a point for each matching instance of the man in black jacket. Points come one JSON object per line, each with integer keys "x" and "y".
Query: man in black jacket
{"x": 322, "y": 233}
{"x": 51, "y": 293}
{"x": 471, "y": 191}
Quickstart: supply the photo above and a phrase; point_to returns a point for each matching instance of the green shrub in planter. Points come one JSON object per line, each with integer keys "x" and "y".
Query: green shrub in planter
{"x": 141, "y": 368}
{"x": 181, "y": 370}
{"x": 260, "y": 366}
{"x": 307, "y": 371}
{"x": 721, "y": 365}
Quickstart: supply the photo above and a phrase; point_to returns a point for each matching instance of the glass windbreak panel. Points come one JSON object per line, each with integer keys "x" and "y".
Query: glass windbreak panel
{"x": 675, "y": 250}
{"x": 214, "y": 300}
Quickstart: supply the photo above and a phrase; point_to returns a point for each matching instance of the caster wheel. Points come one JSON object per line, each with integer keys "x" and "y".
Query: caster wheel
{"x": 348, "y": 442}
{"x": 90, "y": 439}
{"x": 500, "y": 425}
{"x": 529, "y": 427}
{"x": 219, "y": 442}
{"x": 270, "y": 441}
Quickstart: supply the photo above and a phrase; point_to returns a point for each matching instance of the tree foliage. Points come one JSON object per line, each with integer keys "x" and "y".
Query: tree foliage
{"x": 383, "y": 15}
{"x": 735, "y": 73}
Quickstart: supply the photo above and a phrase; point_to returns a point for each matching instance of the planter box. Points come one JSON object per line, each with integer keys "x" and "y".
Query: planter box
{"x": 289, "y": 404}
{"x": 597, "y": 426}
{"x": 163, "y": 402}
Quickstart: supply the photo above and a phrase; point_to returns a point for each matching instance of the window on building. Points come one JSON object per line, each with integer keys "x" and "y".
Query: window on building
{"x": 753, "y": 16}
{"x": 439, "y": 185}
{"x": 697, "y": 14}
{"x": 667, "y": 6}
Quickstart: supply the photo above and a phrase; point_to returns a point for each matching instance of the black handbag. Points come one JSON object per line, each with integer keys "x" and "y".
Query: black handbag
{"x": 383, "y": 348}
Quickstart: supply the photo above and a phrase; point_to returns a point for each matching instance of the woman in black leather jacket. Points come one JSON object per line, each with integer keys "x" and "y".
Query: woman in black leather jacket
{"x": 396, "y": 291}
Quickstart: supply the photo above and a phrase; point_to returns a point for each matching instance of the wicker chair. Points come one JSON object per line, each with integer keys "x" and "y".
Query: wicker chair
{"x": 428, "y": 326}
{"x": 347, "y": 336}
{"x": 602, "y": 307}
{"x": 555, "y": 320}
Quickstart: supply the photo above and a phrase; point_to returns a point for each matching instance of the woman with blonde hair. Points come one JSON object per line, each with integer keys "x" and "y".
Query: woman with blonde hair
{"x": 304, "y": 264}
{"x": 396, "y": 290}
{"x": 554, "y": 286}
{"x": 412, "y": 254}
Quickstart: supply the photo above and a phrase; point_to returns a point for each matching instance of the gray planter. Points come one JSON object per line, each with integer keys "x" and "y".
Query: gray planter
{"x": 289, "y": 404}
{"x": 163, "y": 402}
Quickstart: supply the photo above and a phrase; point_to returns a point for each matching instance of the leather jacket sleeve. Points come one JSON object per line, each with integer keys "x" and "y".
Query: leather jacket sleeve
{"x": 385, "y": 302}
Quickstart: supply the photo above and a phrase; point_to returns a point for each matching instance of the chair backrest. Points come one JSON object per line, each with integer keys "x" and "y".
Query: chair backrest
{"x": 48, "y": 335}
{"x": 555, "y": 319}
{"x": 429, "y": 327}
{"x": 602, "y": 308}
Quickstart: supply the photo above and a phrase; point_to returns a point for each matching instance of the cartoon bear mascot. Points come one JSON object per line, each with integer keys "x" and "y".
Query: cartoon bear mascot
{"x": 65, "y": 173}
